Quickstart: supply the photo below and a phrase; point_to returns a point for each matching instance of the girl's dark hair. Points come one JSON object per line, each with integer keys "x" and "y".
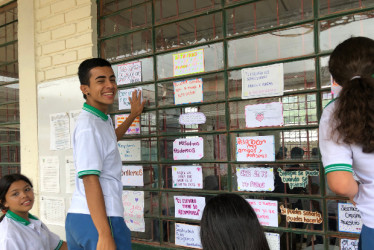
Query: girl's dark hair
{"x": 352, "y": 67}
{"x": 229, "y": 223}
{"x": 5, "y": 184}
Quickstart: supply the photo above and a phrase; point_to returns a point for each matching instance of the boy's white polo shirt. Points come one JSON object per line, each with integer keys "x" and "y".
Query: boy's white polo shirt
{"x": 96, "y": 152}
{"x": 348, "y": 157}
{"x": 20, "y": 234}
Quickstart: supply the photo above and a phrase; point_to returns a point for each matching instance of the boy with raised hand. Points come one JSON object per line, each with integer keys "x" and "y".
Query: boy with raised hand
{"x": 95, "y": 218}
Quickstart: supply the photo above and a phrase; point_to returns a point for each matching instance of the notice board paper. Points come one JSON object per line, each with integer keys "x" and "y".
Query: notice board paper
{"x": 69, "y": 174}
{"x": 129, "y": 73}
{"x": 133, "y": 204}
{"x": 187, "y": 177}
{"x": 348, "y": 244}
{"x": 190, "y": 148}
{"x": 129, "y": 150}
{"x": 187, "y": 235}
{"x": 134, "y": 127}
{"x": 49, "y": 174}
{"x": 52, "y": 210}
{"x": 59, "y": 131}
{"x": 349, "y": 218}
{"x": 273, "y": 240}
{"x": 264, "y": 115}
{"x": 256, "y": 148}
{"x": 189, "y": 62}
{"x": 189, "y": 207}
{"x": 266, "y": 211}
{"x": 192, "y": 118}
{"x": 188, "y": 91}
{"x": 123, "y": 97}
{"x": 255, "y": 179}
{"x": 132, "y": 175}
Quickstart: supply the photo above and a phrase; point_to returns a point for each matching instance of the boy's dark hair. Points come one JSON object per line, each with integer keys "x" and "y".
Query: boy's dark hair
{"x": 5, "y": 184}
{"x": 85, "y": 67}
{"x": 229, "y": 223}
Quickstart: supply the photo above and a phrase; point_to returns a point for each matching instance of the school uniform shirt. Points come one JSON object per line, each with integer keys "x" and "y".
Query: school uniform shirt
{"x": 20, "y": 234}
{"x": 96, "y": 152}
{"x": 348, "y": 157}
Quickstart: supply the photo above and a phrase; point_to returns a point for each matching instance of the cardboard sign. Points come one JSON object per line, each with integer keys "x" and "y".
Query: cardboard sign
{"x": 190, "y": 62}
{"x": 303, "y": 216}
{"x": 264, "y": 115}
{"x": 123, "y": 97}
{"x": 262, "y": 81}
{"x": 266, "y": 211}
{"x": 296, "y": 178}
{"x": 273, "y": 240}
{"x": 129, "y": 150}
{"x": 187, "y": 177}
{"x": 129, "y": 73}
{"x": 349, "y": 218}
{"x": 187, "y": 235}
{"x": 192, "y": 118}
{"x": 188, "y": 91}
{"x": 191, "y": 148}
{"x": 134, "y": 127}
{"x": 348, "y": 244}
{"x": 189, "y": 207}
{"x": 256, "y": 148}
{"x": 132, "y": 175}
{"x": 255, "y": 179}
{"x": 133, "y": 204}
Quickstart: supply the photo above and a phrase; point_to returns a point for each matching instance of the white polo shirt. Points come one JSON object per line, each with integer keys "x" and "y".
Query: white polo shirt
{"x": 96, "y": 152}
{"x": 20, "y": 234}
{"x": 345, "y": 157}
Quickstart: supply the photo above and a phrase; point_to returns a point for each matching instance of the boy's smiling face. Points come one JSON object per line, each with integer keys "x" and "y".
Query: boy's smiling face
{"x": 102, "y": 89}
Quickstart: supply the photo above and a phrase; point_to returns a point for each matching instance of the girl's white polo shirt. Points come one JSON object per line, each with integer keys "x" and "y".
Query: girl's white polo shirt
{"x": 96, "y": 152}
{"x": 339, "y": 156}
{"x": 20, "y": 234}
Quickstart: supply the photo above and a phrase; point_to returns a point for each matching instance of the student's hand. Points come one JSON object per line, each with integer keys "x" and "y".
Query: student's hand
{"x": 106, "y": 243}
{"x": 136, "y": 103}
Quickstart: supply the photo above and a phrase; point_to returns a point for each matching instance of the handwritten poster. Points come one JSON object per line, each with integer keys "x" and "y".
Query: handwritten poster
{"x": 256, "y": 148}
{"x": 59, "y": 131}
{"x": 262, "y": 81}
{"x": 52, "y": 210}
{"x": 129, "y": 150}
{"x": 133, "y": 204}
{"x": 273, "y": 240}
{"x": 349, "y": 218}
{"x": 190, "y": 148}
{"x": 132, "y": 175}
{"x": 189, "y": 207}
{"x": 296, "y": 178}
{"x": 303, "y": 216}
{"x": 266, "y": 211}
{"x": 187, "y": 177}
{"x": 129, "y": 73}
{"x": 348, "y": 244}
{"x": 192, "y": 118}
{"x": 189, "y": 62}
{"x": 134, "y": 127}
{"x": 69, "y": 174}
{"x": 264, "y": 115}
{"x": 123, "y": 97}
{"x": 187, "y": 235}
{"x": 255, "y": 179}
{"x": 49, "y": 174}
{"x": 188, "y": 91}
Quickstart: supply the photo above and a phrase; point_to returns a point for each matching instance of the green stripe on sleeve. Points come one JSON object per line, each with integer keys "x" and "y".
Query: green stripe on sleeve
{"x": 338, "y": 167}
{"x": 88, "y": 172}
{"x": 59, "y": 245}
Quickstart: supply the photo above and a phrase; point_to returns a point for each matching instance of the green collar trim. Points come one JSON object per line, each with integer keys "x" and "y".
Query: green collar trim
{"x": 18, "y": 218}
{"x": 95, "y": 111}
{"x": 333, "y": 100}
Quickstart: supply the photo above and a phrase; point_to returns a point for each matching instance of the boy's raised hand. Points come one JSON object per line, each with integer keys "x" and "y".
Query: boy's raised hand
{"x": 136, "y": 103}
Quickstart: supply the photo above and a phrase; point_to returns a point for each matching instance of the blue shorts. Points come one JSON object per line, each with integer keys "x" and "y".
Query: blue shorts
{"x": 81, "y": 232}
{"x": 366, "y": 241}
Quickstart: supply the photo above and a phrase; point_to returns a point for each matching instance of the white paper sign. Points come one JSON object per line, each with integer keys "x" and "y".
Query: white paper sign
{"x": 59, "y": 131}
{"x": 187, "y": 235}
{"x": 191, "y": 148}
{"x": 69, "y": 174}
{"x": 262, "y": 81}
{"x": 189, "y": 62}
{"x": 255, "y": 179}
{"x": 73, "y": 116}
{"x": 273, "y": 240}
{"x": 189, "y": 207}
{"x": 187, "y": 177}
{"x": 192, "y": 118}
{"x": 256, "y": 148}
{"x": 134, "y": 127}
{"x": 349, "y": 218}
{"x": 266, "y": 211}
{"x": 129, "y": 73}
{"x": 49, "y": 174}
{"x": 129, "y": 150}
{"x": 133, "y": 204}
{"x": 52, "y": 210}
{"x": 123, "y": 97}
{"x": 348, "y": 244}
{"x": 264, "y": 115}
{"x": 132, "y": 175}
{"x": 188, "y": 91}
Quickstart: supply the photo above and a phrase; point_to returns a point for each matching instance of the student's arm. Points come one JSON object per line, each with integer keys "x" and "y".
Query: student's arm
{"x": 96, "y": 205}
{"x": 64, "y": 246}
{"x": 136, "y": 109}
{"x": 342, "y": 183}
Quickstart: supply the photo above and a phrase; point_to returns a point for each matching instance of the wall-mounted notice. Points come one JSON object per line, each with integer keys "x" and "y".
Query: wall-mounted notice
{"x": 132, "y": 175}
{"x": 134, "y": 127}
{"x": 189, "y": 207}
{"x": 73, "y": 116}
{"x": 255, "y": 179}
{"x": 349, "y": 218}
{"x": 187, "y": 235}
{"x": 123, "y": 97}
{"x": 262, "y": 81}
{"x": 52, "y": 210}
{"x": 69, "y": 174}
{"x": 296, "y": 178}
{"x": 59, "y": 131}
{"x": 129, "y": 73}
{"x": 190, "y": 148}
{"x": 273, "y": 240}
{"x": 129, "y": 150}
{"x": 266, "y": 211}
{"x": 264, "y": 115}
{"x": 189, "y": 62}
{"x": 187, "y": 177}
{"x": 49, "y": 174}
{"x": 192, "y": 118}
{"x": 303, "y": 216}
{"x": 348, "y": 244}
{"x": 256, "y": 148}
{"x": 133, "y": 204}
{"x": 188, "y": 91}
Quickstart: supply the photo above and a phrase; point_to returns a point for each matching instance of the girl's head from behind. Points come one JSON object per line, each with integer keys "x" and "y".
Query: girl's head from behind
{"x": 229, "y": 222}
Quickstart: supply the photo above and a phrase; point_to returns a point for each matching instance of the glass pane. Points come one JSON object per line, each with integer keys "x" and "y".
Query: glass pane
{"x": 9, "y": 112}
{"x": 335, "y": 6}
{"x": 9, "y": 73}
{"x": 146, "y": 68}
{"x": 9, "y": 53}
{"x": 9, "y": 169}
{"x": 8, "y": 33}
{"x": 9, "y": 14}
{"x": 152, "y": 231}
{"x": 109, "y": 6}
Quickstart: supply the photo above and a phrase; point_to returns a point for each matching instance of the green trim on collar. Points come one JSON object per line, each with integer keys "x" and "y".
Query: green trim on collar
{"x": 18, "y": 218}
{"x": 333, "y": 100}
{"x": 95, "y": 111}
{"x": 59, "y": 245}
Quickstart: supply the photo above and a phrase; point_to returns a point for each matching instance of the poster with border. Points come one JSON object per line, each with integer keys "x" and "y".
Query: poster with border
{"x": 190, "y": 62}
